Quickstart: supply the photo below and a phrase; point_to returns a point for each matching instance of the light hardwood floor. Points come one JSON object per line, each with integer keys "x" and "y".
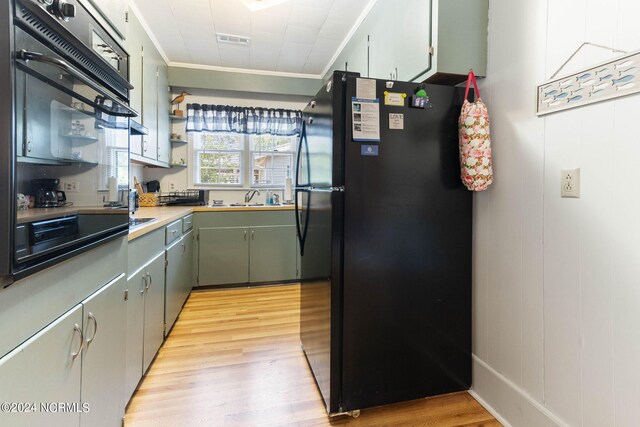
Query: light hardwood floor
{"x": 233, "y": 358}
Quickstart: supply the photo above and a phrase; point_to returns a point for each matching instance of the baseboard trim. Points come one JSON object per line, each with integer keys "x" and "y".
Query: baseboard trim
{"x": 507, "y": 402}
{"x": 490, "y": 409}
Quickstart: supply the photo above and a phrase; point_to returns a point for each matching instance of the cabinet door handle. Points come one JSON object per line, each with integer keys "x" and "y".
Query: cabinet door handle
{"x": 95, "y": 327}
{"x": 150, "y": 281}
{"x": 253, "y": 235}
{"x": 245, "y": 235}
{"x": 184, "y": 249}
{"x": 144, "y": 285}
{"x": 76, "y": 329}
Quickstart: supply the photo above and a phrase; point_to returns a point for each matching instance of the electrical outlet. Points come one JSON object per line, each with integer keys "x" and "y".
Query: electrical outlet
{"x": 71, "y": 186}
{"x": 172, "y": 186}
{"x": 570, "y": 183}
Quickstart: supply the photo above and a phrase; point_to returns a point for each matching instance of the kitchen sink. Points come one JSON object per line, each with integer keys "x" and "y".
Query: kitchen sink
{"x": 134, "y": 222}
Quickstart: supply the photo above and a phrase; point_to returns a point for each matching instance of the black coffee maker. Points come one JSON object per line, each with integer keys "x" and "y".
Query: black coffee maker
{"x": 47, "y": 194}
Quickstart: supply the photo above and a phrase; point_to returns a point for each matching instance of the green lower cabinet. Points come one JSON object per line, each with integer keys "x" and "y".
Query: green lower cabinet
{"x": 145, "y": 320}
{"x": 178, "y": 277}
{"x": 77, "y": 360}
{"x": 229, "y": 255}
{"x": 223, "y": 255}
{"x": 135, "y": 331}
{"x": 103, "y": 355}
{"x": 45, "y": 369}
{"x": 153, "y": 310}
{"x": 272, "y": 253}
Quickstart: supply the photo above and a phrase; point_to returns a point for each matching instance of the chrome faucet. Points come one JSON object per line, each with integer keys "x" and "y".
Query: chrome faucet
{"x": 250, "y": 194}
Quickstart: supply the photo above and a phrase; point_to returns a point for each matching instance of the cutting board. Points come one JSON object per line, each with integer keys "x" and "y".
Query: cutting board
{"x": 137, "y": 185}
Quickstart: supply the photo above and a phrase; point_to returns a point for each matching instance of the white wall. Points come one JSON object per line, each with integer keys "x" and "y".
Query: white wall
{"x": 180, "y": 177}
{"x": 557, "y": 281}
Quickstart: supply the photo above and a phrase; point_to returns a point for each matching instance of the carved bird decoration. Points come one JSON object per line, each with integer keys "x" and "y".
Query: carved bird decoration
{"x": 180, "y": 98}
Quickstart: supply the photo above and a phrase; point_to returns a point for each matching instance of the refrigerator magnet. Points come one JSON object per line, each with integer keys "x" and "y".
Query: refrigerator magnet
{"x": 394, "y": 99}
{"x": 396, "y": 121}
{"x": 365, "y": 119}
{"x": 369, "y": 150}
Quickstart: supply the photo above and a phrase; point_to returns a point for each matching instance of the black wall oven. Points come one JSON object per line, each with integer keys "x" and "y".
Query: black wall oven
{"x": 66, "y": 118}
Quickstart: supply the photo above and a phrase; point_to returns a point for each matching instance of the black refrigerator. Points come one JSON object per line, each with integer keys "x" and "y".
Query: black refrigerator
{"x": 384, "y": 232}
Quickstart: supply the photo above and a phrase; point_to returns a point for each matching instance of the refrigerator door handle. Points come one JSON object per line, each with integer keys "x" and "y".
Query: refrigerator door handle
{"x": 327, "y": 189}
{"x": 298, "y": 232}
{"x": 303, "y": 138}
{"x": 301, "y": 234}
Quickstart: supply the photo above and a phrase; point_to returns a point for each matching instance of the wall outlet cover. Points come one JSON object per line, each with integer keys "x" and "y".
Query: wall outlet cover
{"x": 570, "y": 183}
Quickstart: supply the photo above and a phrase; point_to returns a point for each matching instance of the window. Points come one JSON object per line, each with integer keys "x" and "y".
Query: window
{"x": 220, "y": 159}
{"x": 116, "y": 156}
{"x": 272, "y": 159}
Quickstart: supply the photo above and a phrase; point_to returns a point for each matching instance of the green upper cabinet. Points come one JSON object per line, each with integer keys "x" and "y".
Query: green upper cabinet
{"x": 382, "y": 41}
{"x": 164, "y": 105}
{"x": 412, "y": 39}
{"x": 150, "y": 101}
{"x": 406, "y": 44}
{"x": 134, "y": 47}
{"x": 150, "y": 97}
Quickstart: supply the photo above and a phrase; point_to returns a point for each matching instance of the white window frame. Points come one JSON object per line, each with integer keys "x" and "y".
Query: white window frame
{"x": 251, "y": 153}
{"x": 246, "y": 165}
{"x": 194, "y": 172}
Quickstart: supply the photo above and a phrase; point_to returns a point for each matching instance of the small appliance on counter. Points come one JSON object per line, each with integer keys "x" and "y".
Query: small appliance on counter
{"x": 47, "y": 194}
{"x": 153, "y": 186}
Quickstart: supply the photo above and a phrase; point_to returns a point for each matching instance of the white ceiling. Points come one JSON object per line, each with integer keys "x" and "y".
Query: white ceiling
{"x": 294, "y": 36}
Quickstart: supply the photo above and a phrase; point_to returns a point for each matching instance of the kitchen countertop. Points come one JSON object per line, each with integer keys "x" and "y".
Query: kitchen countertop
{"x": 167, "y": 214}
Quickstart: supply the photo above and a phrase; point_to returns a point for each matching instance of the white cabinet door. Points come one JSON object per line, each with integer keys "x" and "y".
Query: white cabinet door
{"x": 46, "y": 369}
{"x": 153, "y": 309}
{"x": 135, "y": 331}
{"x": 103, "y": 357}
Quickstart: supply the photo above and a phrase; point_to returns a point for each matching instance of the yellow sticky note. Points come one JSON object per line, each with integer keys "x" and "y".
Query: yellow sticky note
{"x": 394, "y": 99}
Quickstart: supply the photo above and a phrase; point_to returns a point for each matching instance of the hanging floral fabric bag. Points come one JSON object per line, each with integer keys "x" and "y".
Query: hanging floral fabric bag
{"x": 475, "y": 141}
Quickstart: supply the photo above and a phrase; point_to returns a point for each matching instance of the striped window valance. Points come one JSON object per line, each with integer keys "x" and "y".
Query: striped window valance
{"x": 225, "y": 118}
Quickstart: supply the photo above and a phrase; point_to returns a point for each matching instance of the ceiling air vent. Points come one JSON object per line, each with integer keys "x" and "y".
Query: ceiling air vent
{"x": 231, "y": 39}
